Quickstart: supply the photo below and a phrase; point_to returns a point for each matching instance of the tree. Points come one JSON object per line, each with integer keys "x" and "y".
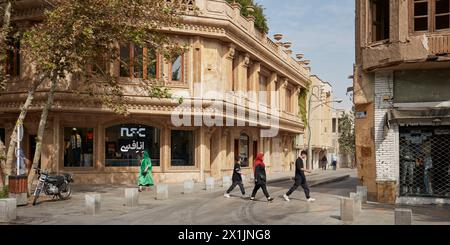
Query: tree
{"x": 90, "y": 31}
{"x": 347, "y": 135}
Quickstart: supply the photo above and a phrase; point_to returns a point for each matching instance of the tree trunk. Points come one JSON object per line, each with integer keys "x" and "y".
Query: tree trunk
{"x": 2, "y": 162}
{"x": 23, "y": 113}
{"x": 41, "y": 131}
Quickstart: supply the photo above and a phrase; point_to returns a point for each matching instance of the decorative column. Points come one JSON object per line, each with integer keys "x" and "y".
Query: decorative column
{"x": 229, "y": 57}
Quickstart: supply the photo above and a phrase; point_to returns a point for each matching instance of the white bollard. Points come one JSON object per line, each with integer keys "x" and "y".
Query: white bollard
{"x": 403, "y": 216}
{"x": 132, "y": 197}
{"x": 226, "y": 181}
{"x": 162, "y": 192}
{"x": 209, "y": 183}
{"x": 93, "y": 204}
{"x": 347, "y": 209}
{"x": 8, "y": 211}
{"x": 362, "y": 191}
{"x": 358, "y": 206}
{"x": 188, "y": 187}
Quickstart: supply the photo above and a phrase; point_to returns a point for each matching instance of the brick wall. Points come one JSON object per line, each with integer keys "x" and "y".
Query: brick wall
{"x": 386, "y": 141}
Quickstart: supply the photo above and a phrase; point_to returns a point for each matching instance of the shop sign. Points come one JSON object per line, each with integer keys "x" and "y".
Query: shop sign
{"x": 361, "y": 114}
{"x": 131, "y": 132}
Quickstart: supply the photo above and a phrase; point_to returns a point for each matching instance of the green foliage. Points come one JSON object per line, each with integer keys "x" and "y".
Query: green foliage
{"x": 302, "y": 104}
{"x": 86, "y": 43}
{"x": 4, "y": 192}
{"x": 260, "y": 18}
{"x": 347, "y": 137}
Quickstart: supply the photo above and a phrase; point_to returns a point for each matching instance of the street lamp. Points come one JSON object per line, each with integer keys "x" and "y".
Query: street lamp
{"x": 309, "y": 163}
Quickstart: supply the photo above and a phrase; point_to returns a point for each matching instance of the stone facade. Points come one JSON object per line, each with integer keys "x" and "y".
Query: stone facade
{"x": 227, "y": 55}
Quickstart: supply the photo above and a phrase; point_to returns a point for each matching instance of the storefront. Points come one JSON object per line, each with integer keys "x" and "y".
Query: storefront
{"x": 425, "y": 161}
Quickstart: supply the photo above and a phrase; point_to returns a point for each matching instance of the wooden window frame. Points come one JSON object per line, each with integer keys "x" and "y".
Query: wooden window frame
{"x": 145, "y": 51}
{"x": 372, "y": 23}
{"x": 16, "y": 70}
{"x": 182, "y": 80}
{"x": 431, "y": 17}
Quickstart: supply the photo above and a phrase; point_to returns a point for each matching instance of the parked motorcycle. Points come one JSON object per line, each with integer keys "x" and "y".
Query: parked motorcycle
{"x": 57, "y": 186}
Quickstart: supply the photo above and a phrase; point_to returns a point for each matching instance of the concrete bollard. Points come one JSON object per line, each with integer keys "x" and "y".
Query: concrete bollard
{"x": 209, "y": 183}
{"x": 22, "y": 198}
{"x": 93, "y": 204}
{"x": 226, "y": 181}
{"x": 358, "y": 206}
{"x": 162, "y": 192}
{"x": 347, "y": 209}
{"x": 132, "y": 197}
{"x": 8, "y": 210}
{"x": 403, "y": 216}
{"x": 188, "y": 187}
{"x": 362, "y": 191}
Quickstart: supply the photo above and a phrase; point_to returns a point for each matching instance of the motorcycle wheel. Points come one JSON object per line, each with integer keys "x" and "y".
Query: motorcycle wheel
{"x": 65, "y": 192}
{"x": 36, "y": 196}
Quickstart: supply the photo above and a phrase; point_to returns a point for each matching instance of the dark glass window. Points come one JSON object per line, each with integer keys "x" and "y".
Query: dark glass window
{"x": 125, "y": 60}
{"x": 123, "y": 141}
{"x": 182, "y": 148}
{"x": 380, "y": 20}
{"x": 177, "y": 69}
{"x": 2, "y": 135}
{"x": 152, "y": 61}
{"x": 13, "y": 57}
{"x": 79, "y": 147}
{"x": 244, "y": 152}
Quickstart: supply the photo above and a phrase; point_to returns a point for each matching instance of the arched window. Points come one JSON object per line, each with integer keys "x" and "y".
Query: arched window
{"x": 122, "y": 142}
{"x": 244, "y": 152}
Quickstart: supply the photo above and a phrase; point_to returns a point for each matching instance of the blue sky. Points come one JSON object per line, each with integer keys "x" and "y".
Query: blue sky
{"x": 323, "y": 30}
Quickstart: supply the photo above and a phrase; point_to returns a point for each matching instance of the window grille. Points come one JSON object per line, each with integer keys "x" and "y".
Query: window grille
{"x": 425, "y": 162}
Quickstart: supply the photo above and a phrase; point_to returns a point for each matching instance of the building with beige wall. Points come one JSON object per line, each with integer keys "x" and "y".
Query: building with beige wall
{"x": 226, "y": 55}
{"x": 402, "y": 99}
{"x": 321, "y": 120}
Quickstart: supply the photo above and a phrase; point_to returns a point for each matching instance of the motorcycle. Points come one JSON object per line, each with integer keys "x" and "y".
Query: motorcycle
{"x": 57, "y": 186}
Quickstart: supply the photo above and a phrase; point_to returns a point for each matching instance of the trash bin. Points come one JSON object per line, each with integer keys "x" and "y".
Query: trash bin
{"x": 18, "y": 188}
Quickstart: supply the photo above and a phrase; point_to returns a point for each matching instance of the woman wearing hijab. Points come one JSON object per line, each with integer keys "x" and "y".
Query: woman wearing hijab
{"x": 145, "y": 172}
{"x": 260, "y": 177}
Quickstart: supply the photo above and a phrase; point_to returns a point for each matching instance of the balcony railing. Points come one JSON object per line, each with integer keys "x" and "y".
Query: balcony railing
{"x": 439, "y": 44}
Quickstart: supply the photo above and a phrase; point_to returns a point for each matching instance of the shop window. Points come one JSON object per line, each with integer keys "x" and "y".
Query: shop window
{"x": 380, "y": 19}
{"x": 176, "y": 69}
{"x": 244, "y": 149}
{"x": 425, "y": 162}
{"x": 2, "y": 135}
{"x": 182, "y": 148}
{"x": 122, "y": 143}
{"x": 138, "y": 62}
{"x": 13, "y": 58}
{"x": 79, "y": 147}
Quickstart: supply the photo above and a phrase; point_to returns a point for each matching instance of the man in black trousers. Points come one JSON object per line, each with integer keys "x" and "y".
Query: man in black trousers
{"x": 300, "y": 178}
{"x": 237, "y": 178}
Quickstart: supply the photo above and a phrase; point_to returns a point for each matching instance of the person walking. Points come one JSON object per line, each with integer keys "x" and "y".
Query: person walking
{"x": 334, "y": 162}
{"x": 324, "y": 162}
{"x": 237, "y": 178}
{"x": 145, "y": 172}
{"x": 300, "y": 178}
{"x": 260, "y": 177}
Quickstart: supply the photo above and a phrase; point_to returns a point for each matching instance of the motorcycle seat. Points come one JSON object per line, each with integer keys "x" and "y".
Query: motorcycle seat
{"x": 56, "y": 179}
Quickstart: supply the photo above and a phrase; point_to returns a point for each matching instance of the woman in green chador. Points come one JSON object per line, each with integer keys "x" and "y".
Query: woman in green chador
{"x": 145, "y": 173}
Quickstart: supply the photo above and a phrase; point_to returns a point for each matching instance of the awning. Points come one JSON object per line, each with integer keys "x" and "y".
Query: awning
{"x": 425, "y": 116}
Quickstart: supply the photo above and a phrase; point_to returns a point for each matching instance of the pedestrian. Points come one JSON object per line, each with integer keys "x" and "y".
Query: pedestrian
{"x": 237, "y": 178}
{"x": 300, "y": 178}
{"x": 334, "y": 162}
{"x": 324, "y": 162}
{"x": 260, "y": 177}
{"x": 145, "y": 172}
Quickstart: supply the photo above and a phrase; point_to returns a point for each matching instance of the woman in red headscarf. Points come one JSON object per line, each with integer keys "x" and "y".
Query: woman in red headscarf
{"x": 260, "y": 177}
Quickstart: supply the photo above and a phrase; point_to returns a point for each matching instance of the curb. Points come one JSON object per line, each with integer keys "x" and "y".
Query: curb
{"x": 313, "y": 182}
